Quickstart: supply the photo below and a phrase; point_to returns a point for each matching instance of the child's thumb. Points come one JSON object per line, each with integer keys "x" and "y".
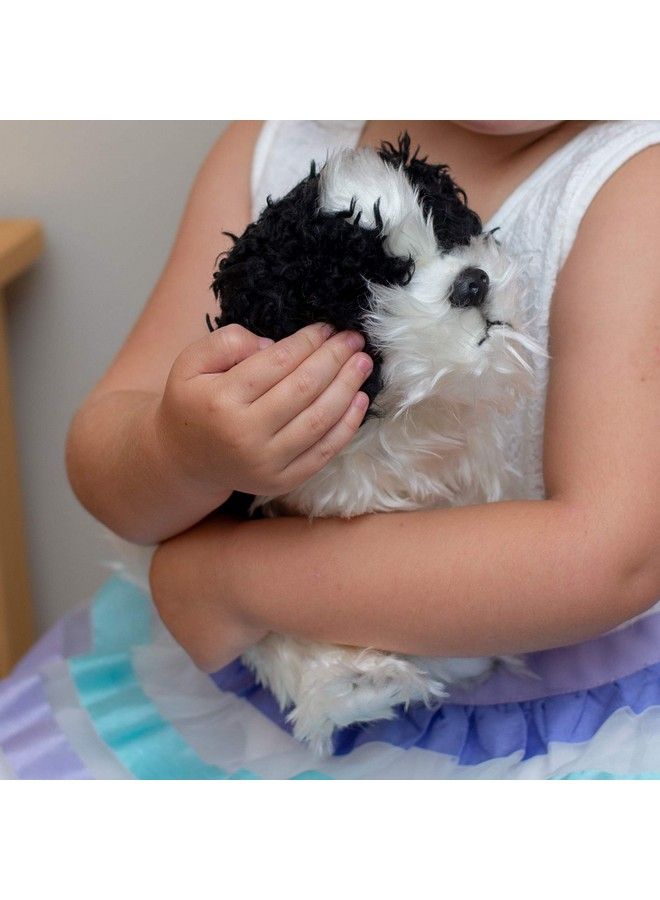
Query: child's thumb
{"x": 222, "y": 349}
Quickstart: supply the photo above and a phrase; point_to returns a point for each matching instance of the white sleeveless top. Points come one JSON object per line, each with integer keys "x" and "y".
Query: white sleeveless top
{"x": 538, "y": 224}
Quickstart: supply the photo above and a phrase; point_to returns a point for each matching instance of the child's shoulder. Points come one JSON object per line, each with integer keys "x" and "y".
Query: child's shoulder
{"x": 635, "y": 184}
{"x": 622, "y": 222}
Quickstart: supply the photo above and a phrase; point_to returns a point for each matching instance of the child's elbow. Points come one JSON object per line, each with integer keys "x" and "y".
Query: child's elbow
{"x": 611, "y": 567}
{"x": 639, "y": 574}
{"x": 81, "y": 459}
{"x": 626, "y": 574}
{"x": 74, "y": 459}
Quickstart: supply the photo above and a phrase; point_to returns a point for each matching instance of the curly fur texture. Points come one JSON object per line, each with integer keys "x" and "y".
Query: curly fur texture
{"x": 304, "y": 265}
{"x": 454, "y": 223}
{"x": 378, "y": 242}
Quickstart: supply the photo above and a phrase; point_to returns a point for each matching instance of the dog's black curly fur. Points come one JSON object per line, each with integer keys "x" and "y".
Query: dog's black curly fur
{"x": 454, "y": 223}
{"x": 297, "y": 264}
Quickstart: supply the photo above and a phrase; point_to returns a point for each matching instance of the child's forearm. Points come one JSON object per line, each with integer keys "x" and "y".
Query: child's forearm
{"x": 494, "y": 579}
{"x": 120, "y": 472}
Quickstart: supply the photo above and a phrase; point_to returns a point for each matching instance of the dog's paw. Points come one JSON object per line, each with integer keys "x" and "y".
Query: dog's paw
{"x": 367, "y": 689}
{"x": 313, "y": 728}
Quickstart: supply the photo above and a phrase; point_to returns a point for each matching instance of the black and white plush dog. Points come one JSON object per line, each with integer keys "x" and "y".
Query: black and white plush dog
{"x": 384, "y": 243}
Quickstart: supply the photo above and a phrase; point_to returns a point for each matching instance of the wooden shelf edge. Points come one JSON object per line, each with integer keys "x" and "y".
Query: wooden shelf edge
{"x": 21, "y": 243}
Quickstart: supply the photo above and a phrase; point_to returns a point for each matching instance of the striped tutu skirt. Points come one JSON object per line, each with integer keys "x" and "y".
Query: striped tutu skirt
{"x": 108, "y": 694}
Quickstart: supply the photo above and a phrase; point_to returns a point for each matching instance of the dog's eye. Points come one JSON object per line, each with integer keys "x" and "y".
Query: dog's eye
{"x": 470, "y": 288}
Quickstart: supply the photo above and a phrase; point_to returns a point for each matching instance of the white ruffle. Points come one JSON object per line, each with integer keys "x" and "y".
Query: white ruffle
{"x": 74, "y": 722}
{"x": 6, "y": 771}
{"x": 223, "y": 729}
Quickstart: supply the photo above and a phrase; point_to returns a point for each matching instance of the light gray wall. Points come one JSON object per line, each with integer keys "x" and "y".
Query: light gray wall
{"x": 109, "y": 195}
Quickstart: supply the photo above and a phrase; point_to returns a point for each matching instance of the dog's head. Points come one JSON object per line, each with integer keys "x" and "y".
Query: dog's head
{"x": 385, "y": 243}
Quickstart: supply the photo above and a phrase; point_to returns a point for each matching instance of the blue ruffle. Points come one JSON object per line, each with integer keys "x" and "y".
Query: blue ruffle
{"x": 476, "y": 734}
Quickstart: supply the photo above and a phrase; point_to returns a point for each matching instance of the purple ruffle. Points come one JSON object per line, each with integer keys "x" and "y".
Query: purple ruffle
{"x": 475, "y": 733}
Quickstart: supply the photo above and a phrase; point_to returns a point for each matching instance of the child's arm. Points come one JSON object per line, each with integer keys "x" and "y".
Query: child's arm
{"x": 183, "y": 417}
{"x": 498, "y": 578}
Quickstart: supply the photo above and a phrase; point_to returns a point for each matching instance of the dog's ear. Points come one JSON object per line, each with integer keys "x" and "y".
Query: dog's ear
{"x": 454, "y": 223}
{"x": 298, "y": 264}
{"x": 399, "y": 155}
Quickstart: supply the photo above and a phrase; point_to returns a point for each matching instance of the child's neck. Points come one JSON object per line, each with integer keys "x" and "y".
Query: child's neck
{"x": 489, "y": 167}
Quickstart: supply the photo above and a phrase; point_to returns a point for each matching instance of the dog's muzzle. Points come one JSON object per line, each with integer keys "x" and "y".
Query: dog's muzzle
{"x": 489, "y": 325}
{"x": 470, "y": 288}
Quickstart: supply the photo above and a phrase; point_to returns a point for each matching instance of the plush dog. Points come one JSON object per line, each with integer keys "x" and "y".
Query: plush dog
{"x": 384, "y": 243}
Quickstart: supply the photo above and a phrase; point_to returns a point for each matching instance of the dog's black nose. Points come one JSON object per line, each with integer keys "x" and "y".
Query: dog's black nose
{"x": 470, "y": 288}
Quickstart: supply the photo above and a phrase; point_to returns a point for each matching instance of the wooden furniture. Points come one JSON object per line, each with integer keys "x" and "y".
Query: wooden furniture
{"x": 21, "y": 242}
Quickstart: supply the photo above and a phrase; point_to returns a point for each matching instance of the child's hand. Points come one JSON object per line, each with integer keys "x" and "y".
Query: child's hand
{"x": 242, "y": 413}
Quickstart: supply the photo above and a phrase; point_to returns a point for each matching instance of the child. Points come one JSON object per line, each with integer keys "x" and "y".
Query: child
{"x": 182, "y": 418}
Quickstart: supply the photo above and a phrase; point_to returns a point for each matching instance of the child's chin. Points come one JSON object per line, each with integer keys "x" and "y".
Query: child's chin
{"x": 505, "y": 127}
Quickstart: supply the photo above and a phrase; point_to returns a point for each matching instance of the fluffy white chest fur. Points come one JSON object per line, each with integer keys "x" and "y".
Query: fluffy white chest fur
{"x": 454, "y": 353}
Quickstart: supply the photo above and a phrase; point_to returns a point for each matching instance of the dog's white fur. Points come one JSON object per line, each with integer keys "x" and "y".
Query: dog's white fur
{"x": 434, "y": 441}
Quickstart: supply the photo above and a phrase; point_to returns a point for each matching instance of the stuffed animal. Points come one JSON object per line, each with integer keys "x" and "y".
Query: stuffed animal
{"x": 384, "y": 243}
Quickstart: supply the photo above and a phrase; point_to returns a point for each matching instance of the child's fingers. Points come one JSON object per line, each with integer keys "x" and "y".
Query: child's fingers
{"x": 318, "y": 420}
{"x": 260, "y": 373}
{"x": 219, "y": 351}
{"x": 318, "y": 455}
{"x": 295, "y": 393}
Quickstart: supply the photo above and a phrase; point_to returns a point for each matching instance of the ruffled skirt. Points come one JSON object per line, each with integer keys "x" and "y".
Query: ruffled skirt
{"x": 108, "y": 694}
